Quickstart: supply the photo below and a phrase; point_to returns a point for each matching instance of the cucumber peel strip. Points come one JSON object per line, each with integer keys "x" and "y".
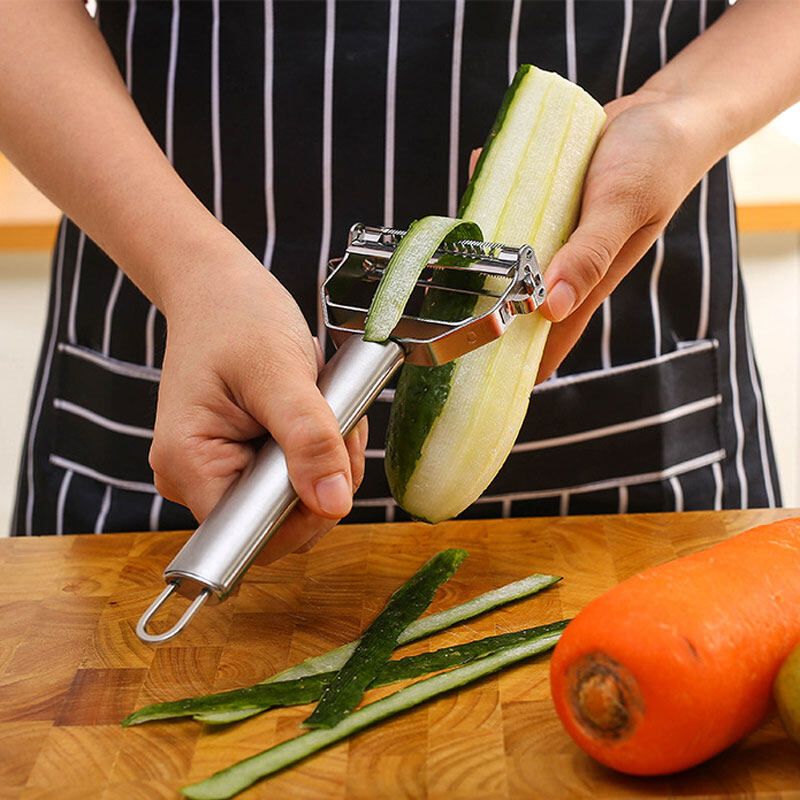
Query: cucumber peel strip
{"x": 378, "y": 642}
{"x": 419, "y": 629}
{"x": 262, "y": 696}
{"x": 423, "y": 239}
{"x": 228, "y": 782}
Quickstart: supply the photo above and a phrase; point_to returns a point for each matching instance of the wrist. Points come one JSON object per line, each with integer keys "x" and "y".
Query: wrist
{"x": 185, "y": 265}
{"x": 696, "y": 135}
{"x": 712, "y": 120}
{"x": 205, "y": 271}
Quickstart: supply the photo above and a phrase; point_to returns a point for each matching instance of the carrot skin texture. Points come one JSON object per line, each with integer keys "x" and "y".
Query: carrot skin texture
{"x": 677, "y": 663}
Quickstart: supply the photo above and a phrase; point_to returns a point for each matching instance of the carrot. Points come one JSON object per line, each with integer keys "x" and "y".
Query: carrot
{"x": 677, "y": 663}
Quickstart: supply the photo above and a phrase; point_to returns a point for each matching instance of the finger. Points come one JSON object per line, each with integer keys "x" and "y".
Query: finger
{"x": 167, "y": 489}
{"x": 288, "y": 403}
{"x": 200, "y": 492}
{"x": 312, "y": 543}
{"x": 605, "y": 226}
{"x": 163, "y": 483}
{"x": 302, "y": 527}
{"x": 363, "y": 430}
{"x": 198, "y": 472}
{"x": 320, "y": 355}
{"x": 356, "y": 443}
{"x": 564, "y": 335}
{"x": 473, "y": 159}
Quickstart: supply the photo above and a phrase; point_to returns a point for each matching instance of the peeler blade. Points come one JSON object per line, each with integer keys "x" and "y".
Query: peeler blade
{"x": 512, "y": 285}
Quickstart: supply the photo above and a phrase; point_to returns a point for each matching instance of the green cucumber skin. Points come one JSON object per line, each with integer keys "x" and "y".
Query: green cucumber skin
{"x": 419, "y": 399}
{"x": 422, "y": 392}
{"x": 263, "y": 696}
{"x": 345, "y": 691}
{"x": 229, "y": 782}
{"x": 419, "y": 629}
{"x": 461, "y": 654}
{"x": 425, "y": 626}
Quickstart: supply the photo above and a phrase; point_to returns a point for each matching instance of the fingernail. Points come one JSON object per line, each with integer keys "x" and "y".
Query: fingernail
{"x": 561, "y": 300}
{"x": 473, "y": 160}
{"x": 334, "y": 495}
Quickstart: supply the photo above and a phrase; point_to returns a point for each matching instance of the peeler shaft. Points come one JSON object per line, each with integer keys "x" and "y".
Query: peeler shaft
{"x": 225, "y": 544}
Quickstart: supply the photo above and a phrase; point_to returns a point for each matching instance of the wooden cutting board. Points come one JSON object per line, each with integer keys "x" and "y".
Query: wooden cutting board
{"x": 71, "y": 666}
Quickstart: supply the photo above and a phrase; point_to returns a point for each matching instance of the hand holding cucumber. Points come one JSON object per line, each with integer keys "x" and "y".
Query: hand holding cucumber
{"x": 647, "y": 161}
{"x": 657, "y": 145}
{"x": 645, "y": 165}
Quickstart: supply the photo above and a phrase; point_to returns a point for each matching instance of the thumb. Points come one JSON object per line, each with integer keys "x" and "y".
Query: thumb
{"x": 474, "y": 156}
{"x": 300, "y": 420}
{"x": 583, "y": 262}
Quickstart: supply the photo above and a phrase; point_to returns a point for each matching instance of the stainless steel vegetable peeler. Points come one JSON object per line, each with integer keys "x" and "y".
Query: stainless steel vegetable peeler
{"x": 211, "y": 563}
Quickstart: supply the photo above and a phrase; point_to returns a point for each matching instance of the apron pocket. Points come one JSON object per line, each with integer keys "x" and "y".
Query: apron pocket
{"x": 104, "y": 411}
{"x": 633, "y": 424}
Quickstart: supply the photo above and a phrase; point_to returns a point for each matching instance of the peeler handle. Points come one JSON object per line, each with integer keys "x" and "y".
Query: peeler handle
{"x": 253, "y": 508}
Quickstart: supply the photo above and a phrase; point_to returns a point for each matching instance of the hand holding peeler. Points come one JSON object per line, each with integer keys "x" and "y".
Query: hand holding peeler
{"x": 218, "y": 554}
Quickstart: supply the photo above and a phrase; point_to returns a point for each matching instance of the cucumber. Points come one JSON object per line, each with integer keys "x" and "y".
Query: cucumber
{"x": 346, "y": 689}
{"x": 403, "y": 270}
{"x": 259, "y": 697}
{"x": 452, "y": 427}
{"x": 229, "y": 782}
{"x": 333, "y": 660}
{"x": 263, "y": 696}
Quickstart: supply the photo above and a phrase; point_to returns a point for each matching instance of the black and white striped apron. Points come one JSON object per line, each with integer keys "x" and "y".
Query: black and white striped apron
{"x": 290, "y": 121}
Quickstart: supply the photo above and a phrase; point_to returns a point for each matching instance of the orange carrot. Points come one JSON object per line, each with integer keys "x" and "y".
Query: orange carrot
{"x": 677, "y": 663}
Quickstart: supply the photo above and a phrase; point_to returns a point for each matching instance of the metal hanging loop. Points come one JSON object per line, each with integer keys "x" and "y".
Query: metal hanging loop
{"x": 144, "y": 620}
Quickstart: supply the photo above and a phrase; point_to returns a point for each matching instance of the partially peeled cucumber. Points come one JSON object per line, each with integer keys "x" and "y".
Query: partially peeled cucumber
{"x": 452, "y": 427}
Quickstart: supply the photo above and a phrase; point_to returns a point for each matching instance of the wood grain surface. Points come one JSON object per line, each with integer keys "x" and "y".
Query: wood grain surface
{"x": 71, "y": 666}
